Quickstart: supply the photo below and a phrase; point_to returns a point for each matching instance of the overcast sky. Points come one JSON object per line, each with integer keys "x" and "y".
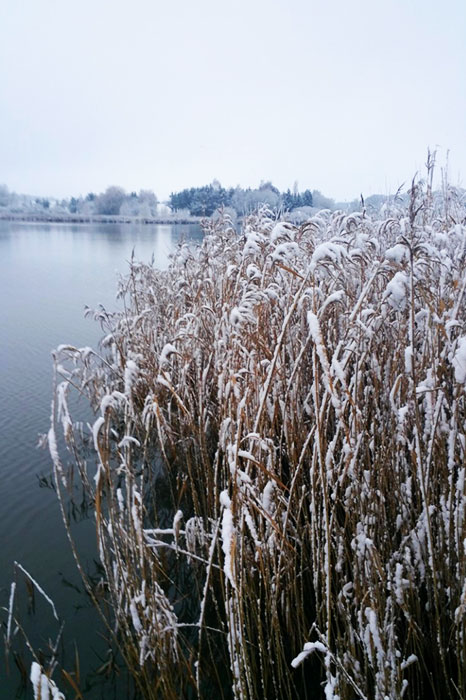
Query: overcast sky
{"x": 344, "y": 96}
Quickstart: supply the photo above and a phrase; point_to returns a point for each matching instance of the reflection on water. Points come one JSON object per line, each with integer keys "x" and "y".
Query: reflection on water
{"x": 48, "y": 273}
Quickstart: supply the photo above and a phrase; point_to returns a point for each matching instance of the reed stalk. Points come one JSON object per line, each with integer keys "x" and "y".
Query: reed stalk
{"x": 279, "y": 459}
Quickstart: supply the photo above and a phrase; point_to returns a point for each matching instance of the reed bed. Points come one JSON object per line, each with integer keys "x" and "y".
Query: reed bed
{"x": 277, "y": 462}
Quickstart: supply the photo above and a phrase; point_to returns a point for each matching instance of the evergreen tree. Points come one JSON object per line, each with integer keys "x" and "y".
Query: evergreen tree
{"x": 287, "y": 200}
{"x": 307, "y": 198}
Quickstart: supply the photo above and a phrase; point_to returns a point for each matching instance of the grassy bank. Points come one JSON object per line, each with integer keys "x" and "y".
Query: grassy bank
{"x": 277, "y": 463}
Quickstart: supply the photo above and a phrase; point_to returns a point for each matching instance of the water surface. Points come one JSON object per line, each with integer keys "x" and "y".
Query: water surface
{"x": 48, "y": 273}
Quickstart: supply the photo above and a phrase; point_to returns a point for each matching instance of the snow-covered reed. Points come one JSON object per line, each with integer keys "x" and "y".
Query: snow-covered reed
{"x": 278, "y": 463}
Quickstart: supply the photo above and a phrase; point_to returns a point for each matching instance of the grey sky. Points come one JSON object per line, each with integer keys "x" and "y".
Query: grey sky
{"x": 344, "y": 96}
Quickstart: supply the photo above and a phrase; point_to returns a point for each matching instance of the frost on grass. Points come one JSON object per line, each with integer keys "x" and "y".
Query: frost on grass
{"x": 280, "y": 439}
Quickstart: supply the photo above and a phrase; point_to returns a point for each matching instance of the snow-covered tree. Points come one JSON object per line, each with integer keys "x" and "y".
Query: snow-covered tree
{"x": 110, "y": 201}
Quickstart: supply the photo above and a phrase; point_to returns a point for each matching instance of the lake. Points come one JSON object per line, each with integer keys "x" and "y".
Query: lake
{"x": 48, "y": 273}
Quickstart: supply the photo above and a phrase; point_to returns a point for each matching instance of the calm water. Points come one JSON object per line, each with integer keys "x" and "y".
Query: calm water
{"x": 48, "y": 273}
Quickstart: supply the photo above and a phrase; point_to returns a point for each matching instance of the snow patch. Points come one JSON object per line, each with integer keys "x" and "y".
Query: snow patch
{"x": 459, "y": 360}
{"x": 308, "y": 649}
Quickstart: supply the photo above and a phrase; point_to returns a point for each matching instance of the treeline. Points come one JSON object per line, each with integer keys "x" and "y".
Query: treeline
{"x": 113, "y": 202}
{"x": 204, "y": 201}
{"x": 194, "y": 201}
{"x": 116, "y": 201}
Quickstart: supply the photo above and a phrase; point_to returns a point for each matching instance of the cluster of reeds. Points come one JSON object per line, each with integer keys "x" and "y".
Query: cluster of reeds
{"x": 278, "y": 459}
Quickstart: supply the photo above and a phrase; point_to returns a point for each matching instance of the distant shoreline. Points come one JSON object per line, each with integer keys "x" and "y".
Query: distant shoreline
{"x": 97, "y": 219}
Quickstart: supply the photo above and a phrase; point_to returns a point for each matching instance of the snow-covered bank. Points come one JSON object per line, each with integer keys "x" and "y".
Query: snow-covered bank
{"x": 96, "y": 218}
